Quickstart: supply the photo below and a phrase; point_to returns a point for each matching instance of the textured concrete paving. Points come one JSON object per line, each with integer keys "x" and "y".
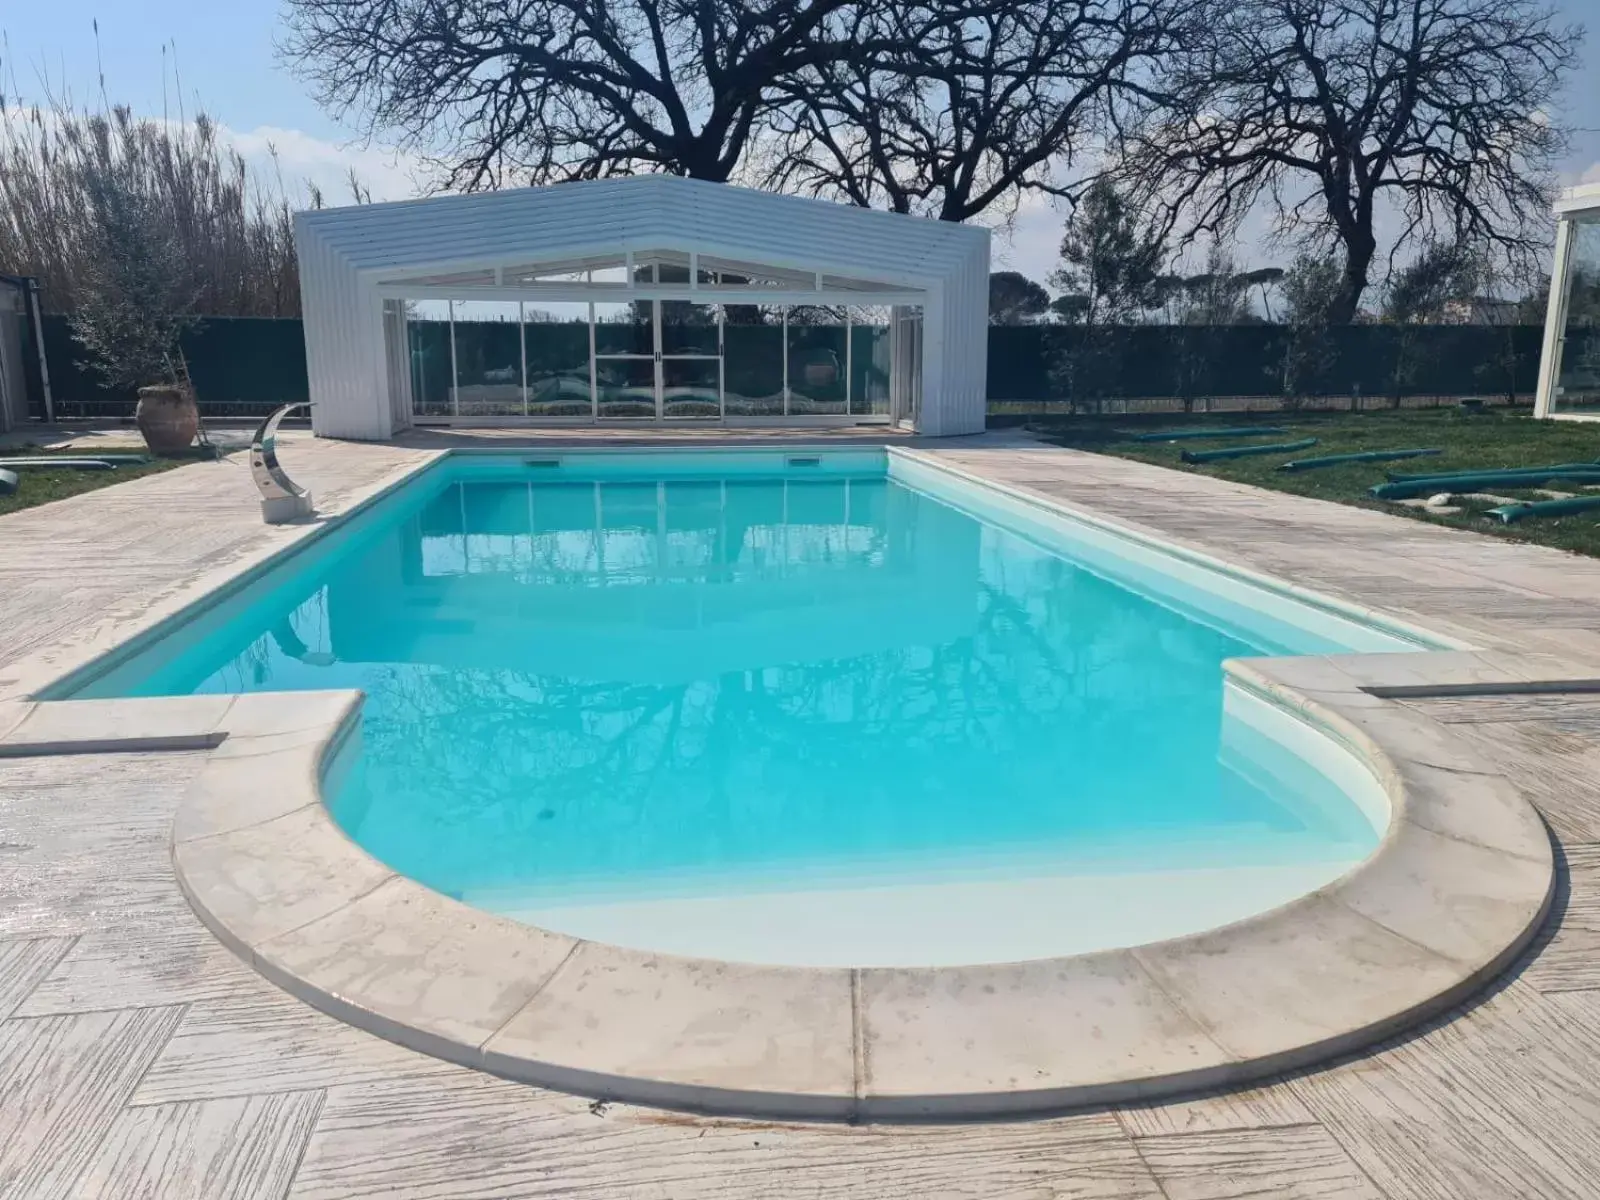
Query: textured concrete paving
{"x": 140, "y": 1058}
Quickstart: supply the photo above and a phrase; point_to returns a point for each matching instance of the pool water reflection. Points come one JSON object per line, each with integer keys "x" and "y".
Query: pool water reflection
{"x": 779, "y": 718}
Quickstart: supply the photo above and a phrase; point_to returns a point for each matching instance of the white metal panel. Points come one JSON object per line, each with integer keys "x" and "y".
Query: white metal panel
{"x": 343, "y": 319}
{"x": 642, "y": 212}
{"x": 1583, "y": 199}
{"x": 1555, "y": 320}
{"x": 955, "y": 350}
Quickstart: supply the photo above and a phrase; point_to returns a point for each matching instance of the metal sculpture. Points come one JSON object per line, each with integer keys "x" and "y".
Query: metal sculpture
{"x": 282, "y": 499}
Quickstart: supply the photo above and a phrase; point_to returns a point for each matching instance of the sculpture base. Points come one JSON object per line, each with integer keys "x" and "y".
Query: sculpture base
{"x": 282, "y": 510}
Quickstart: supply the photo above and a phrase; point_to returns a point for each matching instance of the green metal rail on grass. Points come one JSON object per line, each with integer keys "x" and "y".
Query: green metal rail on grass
{"x": 40, "y": 463}
{"x": 1179, "y": 435}
{"x": 1205, "y": 456}
{"x": 1395, "y": 477}
{"x": 1509, "y": 513}
{"x": 1334, "y": 460}
{"x": 1406, "y": 488}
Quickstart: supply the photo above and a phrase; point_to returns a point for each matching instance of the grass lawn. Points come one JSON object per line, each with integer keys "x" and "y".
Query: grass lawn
{"x": 42, "y": 486}
{"x": 1487, "y": 440}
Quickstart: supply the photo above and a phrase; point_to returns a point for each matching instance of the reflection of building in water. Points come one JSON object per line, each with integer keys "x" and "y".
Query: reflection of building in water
{"x": 582, "y": 579}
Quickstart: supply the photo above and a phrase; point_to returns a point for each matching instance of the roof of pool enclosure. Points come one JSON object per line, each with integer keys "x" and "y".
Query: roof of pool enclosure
{"x": 627, "y": 246}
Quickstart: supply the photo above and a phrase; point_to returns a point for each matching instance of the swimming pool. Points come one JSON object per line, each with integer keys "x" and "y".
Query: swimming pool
{"x": 830, "y": 708}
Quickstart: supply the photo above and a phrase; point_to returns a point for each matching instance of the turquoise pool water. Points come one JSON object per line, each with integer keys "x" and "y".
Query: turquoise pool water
{"x": 791, "y": 711}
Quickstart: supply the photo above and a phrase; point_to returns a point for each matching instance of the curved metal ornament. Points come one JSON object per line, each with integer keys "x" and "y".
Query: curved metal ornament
{"x": 282, "y": 499}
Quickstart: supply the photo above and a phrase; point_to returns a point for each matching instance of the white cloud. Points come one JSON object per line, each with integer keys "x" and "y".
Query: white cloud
{"x": 303, "y": 159}
{"x": 1030, "y": 240}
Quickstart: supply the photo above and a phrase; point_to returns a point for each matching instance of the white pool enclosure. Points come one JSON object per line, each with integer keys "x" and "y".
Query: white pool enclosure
{"x": 649, "y": 299}
{"x": 1569, "y": 365}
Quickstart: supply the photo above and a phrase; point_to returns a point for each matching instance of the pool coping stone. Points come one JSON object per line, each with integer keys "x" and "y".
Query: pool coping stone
{"x": 1438, "y": 909}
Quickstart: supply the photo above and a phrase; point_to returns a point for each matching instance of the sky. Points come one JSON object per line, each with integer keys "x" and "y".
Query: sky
{"x": 219, "y": 55}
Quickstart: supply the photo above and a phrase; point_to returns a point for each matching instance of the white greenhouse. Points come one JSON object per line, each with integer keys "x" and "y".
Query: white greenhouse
{"x": 1569, "y": 366}
{"x": 644, "y": 299}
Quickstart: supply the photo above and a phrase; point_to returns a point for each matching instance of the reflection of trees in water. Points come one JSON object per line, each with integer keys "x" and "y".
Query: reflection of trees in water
{"x": 253, "y": 665}
{"x": 1065, "y": 689}
{"x": 1059, "y": 666}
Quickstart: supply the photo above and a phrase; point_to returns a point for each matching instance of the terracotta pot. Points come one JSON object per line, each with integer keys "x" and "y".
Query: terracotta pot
{"x": 168, "y": 418}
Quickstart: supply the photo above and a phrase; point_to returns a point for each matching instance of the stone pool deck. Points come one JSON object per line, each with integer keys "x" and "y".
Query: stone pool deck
{"x": 138, "y": 1056}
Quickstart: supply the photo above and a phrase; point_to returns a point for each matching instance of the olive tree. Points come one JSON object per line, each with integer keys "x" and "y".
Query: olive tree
{"x": 136, "y": 295}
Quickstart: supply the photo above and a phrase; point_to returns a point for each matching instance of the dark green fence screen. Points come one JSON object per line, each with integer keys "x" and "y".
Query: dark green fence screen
{"x": 241, "y": 366}
{"x": 1177, "y": 365}
{"x": 246, "y": 366}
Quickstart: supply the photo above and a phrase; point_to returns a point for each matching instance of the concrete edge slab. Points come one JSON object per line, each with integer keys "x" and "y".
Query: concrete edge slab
{"x": 1453, "y": 893}
{"x": 12, "y": 714}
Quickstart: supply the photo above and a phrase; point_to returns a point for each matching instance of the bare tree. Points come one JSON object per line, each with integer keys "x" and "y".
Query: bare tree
{"x": 540, "y": 91}
{"x": 1336, "y": 112}
{"x": 959, "y": 106}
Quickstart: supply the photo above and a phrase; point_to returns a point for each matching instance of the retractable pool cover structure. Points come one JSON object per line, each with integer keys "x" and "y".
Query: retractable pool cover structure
{"x": 645, "y": 299}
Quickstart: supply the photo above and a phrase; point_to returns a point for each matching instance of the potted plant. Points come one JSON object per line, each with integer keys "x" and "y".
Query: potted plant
{"x": 168, "y": 417}
{"x": 135, "y": 303}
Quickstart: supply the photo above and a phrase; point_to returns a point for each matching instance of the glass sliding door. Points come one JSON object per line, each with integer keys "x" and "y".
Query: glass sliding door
{"x": 753, "y": 361}
{"x": 429, "y": 351}
{"x": 691, "y": 359}
{"x": 691, "y": 387}
{"x": 625, "y": 388}
{"x": 869, "y": 361}
{"x": 905, "y": 381}
{"x": 655, "y": 359}
{"x": 658, "y": 359}
{"x": 817, "y": 350}
{"x": 625, "y": 361}
{"x": 488, "y": 356}
{"x": 555, "y": 354}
